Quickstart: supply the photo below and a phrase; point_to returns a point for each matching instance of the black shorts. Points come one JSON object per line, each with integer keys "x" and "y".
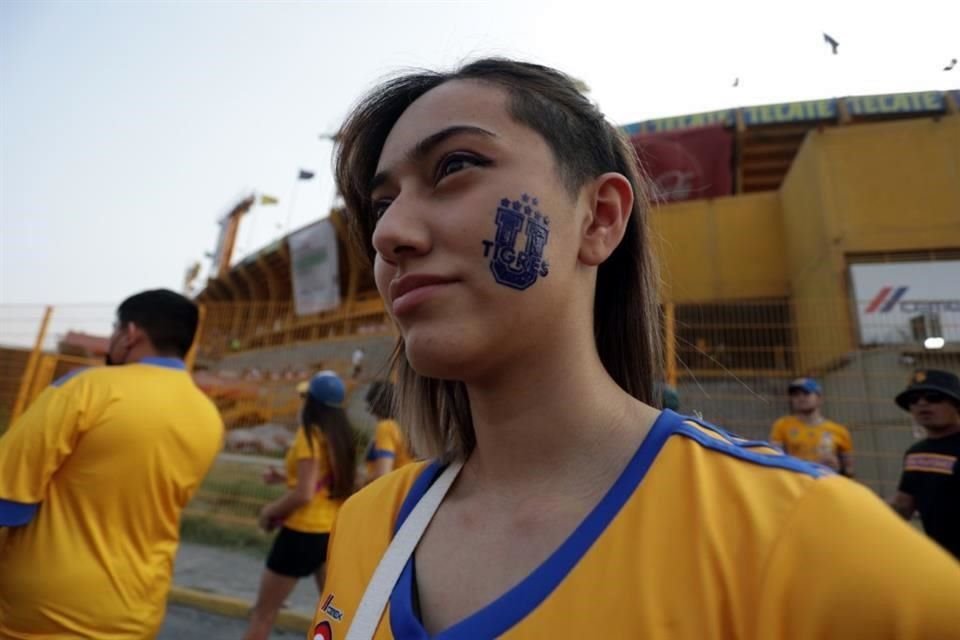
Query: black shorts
{"x": 297, "y": 554}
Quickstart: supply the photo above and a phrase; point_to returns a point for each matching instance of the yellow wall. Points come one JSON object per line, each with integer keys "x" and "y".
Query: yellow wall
{"x": 816, "y": 268}
{"x": 886, "y": 187}
{"x": 722, "y": 249}
{"x": 893, "y": 185}
{"x": 868, "y": 188}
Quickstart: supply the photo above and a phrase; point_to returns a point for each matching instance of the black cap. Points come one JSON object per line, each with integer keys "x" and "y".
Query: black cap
{"x": 930, "y": 380}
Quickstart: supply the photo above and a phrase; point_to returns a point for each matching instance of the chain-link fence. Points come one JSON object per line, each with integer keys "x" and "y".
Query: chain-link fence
{"x": 731, "y": 363}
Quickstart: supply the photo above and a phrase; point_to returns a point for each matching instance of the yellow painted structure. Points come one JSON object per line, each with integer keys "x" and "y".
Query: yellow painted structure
{"x": 758, "y": 280}
{"x": 889, "y": 187}
{"x": 722, "y": 249}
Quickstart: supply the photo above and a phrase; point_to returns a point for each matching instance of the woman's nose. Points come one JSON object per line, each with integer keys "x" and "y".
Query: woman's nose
{"x": 402, "y": 231}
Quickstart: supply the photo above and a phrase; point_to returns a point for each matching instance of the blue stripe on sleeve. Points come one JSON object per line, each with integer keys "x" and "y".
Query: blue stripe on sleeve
{"x": 16, "y": 514}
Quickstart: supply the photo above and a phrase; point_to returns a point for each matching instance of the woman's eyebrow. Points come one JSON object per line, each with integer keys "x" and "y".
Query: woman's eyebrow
{"x": 425, "y": 146}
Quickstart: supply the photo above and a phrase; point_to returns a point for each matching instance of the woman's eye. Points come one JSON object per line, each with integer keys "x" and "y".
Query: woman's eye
{"x": 380, "y": 207}
{"x": 458, "y": 162}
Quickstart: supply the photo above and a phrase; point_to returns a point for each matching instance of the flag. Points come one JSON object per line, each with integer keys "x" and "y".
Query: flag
{"x": 265, "y": 199}
{"x": 305, "y": 175}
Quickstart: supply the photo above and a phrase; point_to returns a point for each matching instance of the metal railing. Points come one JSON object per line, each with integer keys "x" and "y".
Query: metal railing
{"x": 730, "y": 361}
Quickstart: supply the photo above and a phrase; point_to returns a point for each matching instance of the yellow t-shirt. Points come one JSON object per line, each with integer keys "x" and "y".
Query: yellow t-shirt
{"x": 318, "y": 515}
{"x": 110, "y": 456}
{"x": 702, "y": 536}
{"x": 388, "y": 442}
{"x": 806, "y": 442}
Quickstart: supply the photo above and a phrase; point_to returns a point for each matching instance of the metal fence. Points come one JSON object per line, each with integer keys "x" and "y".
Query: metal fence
{"x": 731, "y": 362}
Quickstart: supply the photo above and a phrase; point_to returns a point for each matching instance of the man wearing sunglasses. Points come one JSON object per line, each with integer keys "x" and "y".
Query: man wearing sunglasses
{"x": 930, "y": 482}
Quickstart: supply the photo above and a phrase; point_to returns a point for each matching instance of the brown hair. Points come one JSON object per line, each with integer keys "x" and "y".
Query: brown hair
{"x": 332, "y": 422}
{"x": 380, "y": 399}
{"x": 627, "y": 316}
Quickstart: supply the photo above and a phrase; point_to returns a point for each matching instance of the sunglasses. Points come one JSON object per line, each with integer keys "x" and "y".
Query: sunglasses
{"x": 932, "y": 397}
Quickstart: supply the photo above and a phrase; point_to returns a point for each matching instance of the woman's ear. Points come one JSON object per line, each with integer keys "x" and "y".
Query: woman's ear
{"x": 611, "y": 204}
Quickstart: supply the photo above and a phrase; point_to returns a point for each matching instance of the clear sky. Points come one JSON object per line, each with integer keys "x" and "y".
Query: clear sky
{"x": 127, "y": 129}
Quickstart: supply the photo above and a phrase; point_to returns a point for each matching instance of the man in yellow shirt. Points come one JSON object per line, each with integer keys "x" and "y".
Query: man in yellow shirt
{"x": 94, "y": 477}
{"x": 807, "y": 435}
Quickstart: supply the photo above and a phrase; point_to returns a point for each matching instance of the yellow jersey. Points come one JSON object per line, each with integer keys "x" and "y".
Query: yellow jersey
{"x": 316, "y": 516}
{"x": 703, "y": 535}
{"x": 109, "y": 458}
{"x": 388, "y": 442}
{"x": 812, "y": 443}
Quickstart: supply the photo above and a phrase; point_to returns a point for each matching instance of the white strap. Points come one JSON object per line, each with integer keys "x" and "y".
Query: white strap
{"x": 387, "y": 573}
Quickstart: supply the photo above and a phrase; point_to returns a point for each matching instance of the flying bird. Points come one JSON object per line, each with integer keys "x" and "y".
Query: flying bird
{"x": 830, "y": 41}
{"x": 950, "y": 66}
{"x": 736, "y": 81}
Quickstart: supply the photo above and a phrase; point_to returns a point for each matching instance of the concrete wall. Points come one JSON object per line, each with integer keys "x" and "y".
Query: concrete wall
{"x": 329, "y": 354}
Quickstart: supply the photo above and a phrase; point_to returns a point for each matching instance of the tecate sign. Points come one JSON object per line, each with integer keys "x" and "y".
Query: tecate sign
{"x": 900, "y": 303}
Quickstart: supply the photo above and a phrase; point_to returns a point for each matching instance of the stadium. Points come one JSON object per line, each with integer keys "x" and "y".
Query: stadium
{"x": 817, "y": 238}
{"x": 779, "y": 227}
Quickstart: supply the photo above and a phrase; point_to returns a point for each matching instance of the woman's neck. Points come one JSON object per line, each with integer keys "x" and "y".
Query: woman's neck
{"x": 551, "y": 421}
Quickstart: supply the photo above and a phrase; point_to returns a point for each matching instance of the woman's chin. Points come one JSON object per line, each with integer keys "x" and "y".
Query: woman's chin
{"x": 444, "y": 358}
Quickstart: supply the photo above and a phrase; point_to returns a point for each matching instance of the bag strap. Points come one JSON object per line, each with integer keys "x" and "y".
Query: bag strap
{"x": 385, "y": 577}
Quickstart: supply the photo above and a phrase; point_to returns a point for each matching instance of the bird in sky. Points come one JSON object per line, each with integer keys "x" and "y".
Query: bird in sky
{"x": 830, "y": 41}
{"x": 949, "y": 67}
{"x": 736, "y": 81}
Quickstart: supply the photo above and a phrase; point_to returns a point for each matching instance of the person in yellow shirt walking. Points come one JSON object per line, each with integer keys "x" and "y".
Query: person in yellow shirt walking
{"x": 807, "y": 435}
{"x": 94, "y": 477}
{"x": 319, "y": 472}
{"x": 388, "y": 450}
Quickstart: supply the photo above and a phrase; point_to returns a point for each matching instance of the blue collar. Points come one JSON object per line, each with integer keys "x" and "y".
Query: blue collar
{"x": 499, "y": 616}
{"x": 160, "y": 361}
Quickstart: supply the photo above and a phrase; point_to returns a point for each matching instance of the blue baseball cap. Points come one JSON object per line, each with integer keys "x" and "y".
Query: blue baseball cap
{"x": 327, "y": 387}
{"x": 808, "y": 385}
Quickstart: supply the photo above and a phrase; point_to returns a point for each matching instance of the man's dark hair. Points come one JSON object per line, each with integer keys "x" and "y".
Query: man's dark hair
{"x": 168, "y": 318}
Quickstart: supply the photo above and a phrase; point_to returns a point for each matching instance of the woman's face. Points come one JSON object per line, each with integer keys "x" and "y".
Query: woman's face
{"x": 478, "y": 238}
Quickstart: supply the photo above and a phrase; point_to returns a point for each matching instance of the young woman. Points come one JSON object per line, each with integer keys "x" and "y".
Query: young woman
{"x": 319, "y": 474}
{"x": 388, "y": 450}
{"x": 510, "y": 240}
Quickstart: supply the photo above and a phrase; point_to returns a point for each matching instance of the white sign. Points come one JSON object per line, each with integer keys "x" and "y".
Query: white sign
{"x": 907, "y": 302}
{"x": 315, "y": 268}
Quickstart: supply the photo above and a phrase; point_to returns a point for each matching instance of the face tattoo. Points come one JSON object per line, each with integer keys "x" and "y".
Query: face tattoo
{"x": 510, "y": 267}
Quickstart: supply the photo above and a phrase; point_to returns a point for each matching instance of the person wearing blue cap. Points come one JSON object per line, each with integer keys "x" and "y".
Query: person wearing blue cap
{"x": 319, "y": 473}
{"x": 807, "y": 435}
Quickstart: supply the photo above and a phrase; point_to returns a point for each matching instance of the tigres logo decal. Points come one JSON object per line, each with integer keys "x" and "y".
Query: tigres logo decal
{"x": 323, "y": 631}
{"x": 510, "y": 267}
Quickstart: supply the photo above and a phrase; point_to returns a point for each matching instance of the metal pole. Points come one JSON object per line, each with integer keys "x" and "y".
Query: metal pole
{"x": 670, "y": 319}
{"x": 191, "y": 358}
{"x": 26, "y": 381}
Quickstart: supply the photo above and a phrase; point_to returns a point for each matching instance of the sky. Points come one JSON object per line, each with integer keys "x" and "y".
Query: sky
{"x": 128, "y": 129}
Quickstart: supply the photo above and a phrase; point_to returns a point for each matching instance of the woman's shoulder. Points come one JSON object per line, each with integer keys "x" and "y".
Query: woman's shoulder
{"x": 309, "y": 446}
{"x": 383, "y": 498}
{"x": 388, "y": 425}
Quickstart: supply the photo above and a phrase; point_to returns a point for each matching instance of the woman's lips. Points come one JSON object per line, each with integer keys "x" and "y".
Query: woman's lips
{"x": 409, "y": 291}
